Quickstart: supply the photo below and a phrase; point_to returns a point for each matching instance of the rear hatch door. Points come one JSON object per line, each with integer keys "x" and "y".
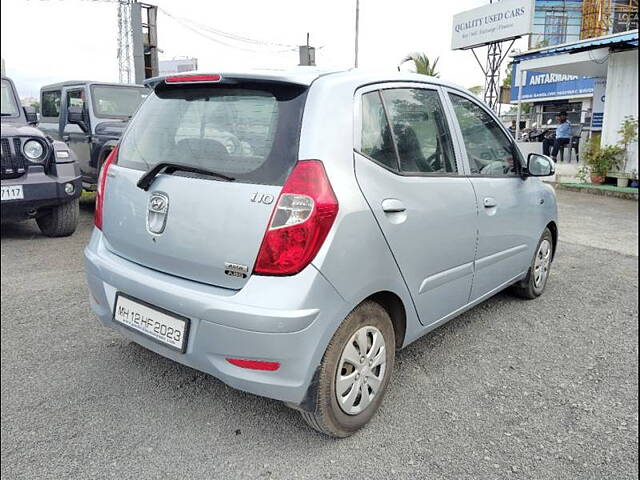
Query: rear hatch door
{"x": 193, "y": 225}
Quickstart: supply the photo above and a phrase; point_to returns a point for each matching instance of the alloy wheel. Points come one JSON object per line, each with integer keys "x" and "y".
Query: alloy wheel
{"x": 361, "y": 370}
{"x": 542, "y": 263}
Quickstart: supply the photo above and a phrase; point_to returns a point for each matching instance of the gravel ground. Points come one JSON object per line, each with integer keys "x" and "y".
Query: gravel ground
{"x": 545, "y": 389}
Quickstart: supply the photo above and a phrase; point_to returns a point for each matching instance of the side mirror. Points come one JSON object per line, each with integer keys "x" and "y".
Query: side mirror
{"x": 539, "y": 165}
{"x": 32, "y": 116}
{"x": 76, "y": 115}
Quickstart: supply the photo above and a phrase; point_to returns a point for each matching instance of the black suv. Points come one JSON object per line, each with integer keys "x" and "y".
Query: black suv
{"x": 90, "y": 117}
{"x": 39, "y": 176}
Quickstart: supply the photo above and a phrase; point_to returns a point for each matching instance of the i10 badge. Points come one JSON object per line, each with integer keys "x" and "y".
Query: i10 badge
{"x": 265, "y": 198}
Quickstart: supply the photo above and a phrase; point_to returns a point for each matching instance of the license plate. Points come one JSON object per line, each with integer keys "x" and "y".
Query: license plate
{"x": 11, "y": 192}
{"x": 160, "y": 325}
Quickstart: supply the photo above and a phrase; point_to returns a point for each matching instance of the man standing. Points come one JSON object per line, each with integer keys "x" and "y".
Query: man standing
{"x": 563, "y": 137}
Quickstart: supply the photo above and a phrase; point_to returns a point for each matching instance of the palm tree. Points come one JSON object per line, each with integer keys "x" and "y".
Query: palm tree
{"x": 422, "y": 64}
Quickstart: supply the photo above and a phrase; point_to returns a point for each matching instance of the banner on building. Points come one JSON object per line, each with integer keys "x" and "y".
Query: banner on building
{"x": 597, "y": 110}
{"x": 549, "y": 86}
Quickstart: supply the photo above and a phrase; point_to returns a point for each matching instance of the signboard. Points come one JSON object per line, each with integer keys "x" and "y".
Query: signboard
{"x": 625, "y": 18}
{"x": 540, "y": 86}
{"x": 492, "y": 23}
{"x": 597, "y": 115}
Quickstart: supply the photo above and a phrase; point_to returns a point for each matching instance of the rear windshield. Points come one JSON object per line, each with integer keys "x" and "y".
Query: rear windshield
{"x": 247, "y": 132}
{"x": 117, "y": 102}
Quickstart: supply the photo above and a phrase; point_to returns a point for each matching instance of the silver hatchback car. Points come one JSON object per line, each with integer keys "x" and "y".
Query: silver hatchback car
{"x": 288, "y": 232}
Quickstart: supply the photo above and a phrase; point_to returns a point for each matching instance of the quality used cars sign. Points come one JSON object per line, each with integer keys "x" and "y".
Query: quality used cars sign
{"x": 490, "y": 23}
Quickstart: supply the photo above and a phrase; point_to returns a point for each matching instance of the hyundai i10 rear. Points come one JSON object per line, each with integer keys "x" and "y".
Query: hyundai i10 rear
{"x": 254, "y": 227}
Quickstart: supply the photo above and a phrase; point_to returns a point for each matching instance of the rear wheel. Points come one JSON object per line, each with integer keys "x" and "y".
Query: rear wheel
{"x": 536, "y": 281}
{"x": 355, "y": 372}
{"x": 60, "y": 221}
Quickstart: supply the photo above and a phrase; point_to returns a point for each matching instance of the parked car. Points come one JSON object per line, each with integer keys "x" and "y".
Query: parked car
{"x": 39, "y": 177}
{"x": 371, "y": 209}
{"x": 89, "y": 117}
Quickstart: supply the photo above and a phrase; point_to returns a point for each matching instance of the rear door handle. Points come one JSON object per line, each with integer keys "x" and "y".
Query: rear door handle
{"x": 393, "y": 205}
{"x": 490, "y": 202}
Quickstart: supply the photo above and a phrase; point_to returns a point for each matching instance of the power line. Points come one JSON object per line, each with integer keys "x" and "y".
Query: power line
{"x": 197, "y": 28}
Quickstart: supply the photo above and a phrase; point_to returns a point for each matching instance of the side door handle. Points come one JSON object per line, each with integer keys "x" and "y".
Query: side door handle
{"x": 490, "y": 202}
{"x": 393, "y": 205}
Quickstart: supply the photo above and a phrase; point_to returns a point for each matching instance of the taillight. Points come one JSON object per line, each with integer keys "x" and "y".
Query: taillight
{"x": 300, "y": 221}
{"x": 102, "y": 180}
{"x": 197, "y": 78}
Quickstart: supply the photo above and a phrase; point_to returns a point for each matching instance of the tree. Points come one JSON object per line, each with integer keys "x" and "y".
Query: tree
{"x": 508, "y": 80}
{"x": 422, "y": 64}
{"x": 476, "y": 90}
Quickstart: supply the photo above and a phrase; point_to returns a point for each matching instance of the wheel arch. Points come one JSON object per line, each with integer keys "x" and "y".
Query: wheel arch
{"x": 553, "y": 228}
{"x": 394, "y": 306}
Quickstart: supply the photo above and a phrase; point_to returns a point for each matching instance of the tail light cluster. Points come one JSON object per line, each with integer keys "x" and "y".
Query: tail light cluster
{"x": 102, "y": 180}
{"x": 301, "y": 220}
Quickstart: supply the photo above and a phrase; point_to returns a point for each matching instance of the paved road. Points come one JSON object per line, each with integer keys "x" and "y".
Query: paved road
{"x": 545, "y": 389}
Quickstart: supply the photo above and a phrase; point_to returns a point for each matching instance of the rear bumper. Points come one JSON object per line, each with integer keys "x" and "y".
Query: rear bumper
{"x": 289, "y": 320}
{"x": 41, "y": 190}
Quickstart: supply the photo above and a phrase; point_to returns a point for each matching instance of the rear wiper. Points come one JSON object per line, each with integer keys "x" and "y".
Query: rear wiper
{"x": 147, "y": 179}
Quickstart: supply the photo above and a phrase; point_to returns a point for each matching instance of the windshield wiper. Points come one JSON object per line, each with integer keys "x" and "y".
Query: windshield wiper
{"x": 147, "y": 179}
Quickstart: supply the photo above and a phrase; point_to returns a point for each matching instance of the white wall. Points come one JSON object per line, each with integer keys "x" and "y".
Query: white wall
{"x": 621, "y": 99}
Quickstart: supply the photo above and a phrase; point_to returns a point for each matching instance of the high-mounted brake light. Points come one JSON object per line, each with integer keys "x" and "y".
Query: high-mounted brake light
{"x": 254, "y": 364}
{"x": 102, "y": 180}
{"x": 193, "y": 78}
{"x": 300, "y": 222}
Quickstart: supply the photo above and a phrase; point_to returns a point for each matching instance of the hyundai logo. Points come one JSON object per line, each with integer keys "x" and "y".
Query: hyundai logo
{"x": 157, "y": 212}
{"x": 158, "y": 203}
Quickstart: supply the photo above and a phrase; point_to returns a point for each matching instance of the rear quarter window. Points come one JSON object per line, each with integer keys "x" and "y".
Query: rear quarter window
{"x": 248, "y": 132}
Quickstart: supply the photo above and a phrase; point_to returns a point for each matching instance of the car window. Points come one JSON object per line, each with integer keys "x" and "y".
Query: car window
{"x": 420, "y": 131}
{"x": 376, "y": 141}
{"x": 75, "y": 98}
{"x": 51, "y": 103}
{"x": 489, "y": 150}
{"x": 111, "y": 101}
{"x": 9, "y": 105}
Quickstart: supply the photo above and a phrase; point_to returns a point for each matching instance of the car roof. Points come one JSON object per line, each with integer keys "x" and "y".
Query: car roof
{"x": 307, "y": 75}
{"x": 71, "y": 83}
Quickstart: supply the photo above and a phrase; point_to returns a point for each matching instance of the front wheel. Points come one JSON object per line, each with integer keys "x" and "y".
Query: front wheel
{"x": 355, "y": 372}
{"x": 61, "y": 220}
{"x": 536, "y": 281}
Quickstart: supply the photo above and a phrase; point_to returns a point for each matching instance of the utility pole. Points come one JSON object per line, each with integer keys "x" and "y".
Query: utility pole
{"x": 137, "y": 41}
{"x": 307, "y": 54}
{"x": 355, "y": 64}
{"x": 145, "y": 41}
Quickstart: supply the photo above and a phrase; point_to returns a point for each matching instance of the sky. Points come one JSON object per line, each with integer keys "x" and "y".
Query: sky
{"x": 45, "y": 41}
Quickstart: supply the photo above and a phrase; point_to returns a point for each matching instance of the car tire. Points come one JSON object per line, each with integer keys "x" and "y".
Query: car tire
{"x": 536, "y": 280}
{"x": 60, "y": 221}
{"x": 364, "y": 384}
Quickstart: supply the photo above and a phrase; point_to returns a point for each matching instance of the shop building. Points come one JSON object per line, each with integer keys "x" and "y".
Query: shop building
{"x": 595, "y": 79}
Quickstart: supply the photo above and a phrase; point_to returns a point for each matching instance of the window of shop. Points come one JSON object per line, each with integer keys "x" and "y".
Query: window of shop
{"x": 573, "y": 109}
